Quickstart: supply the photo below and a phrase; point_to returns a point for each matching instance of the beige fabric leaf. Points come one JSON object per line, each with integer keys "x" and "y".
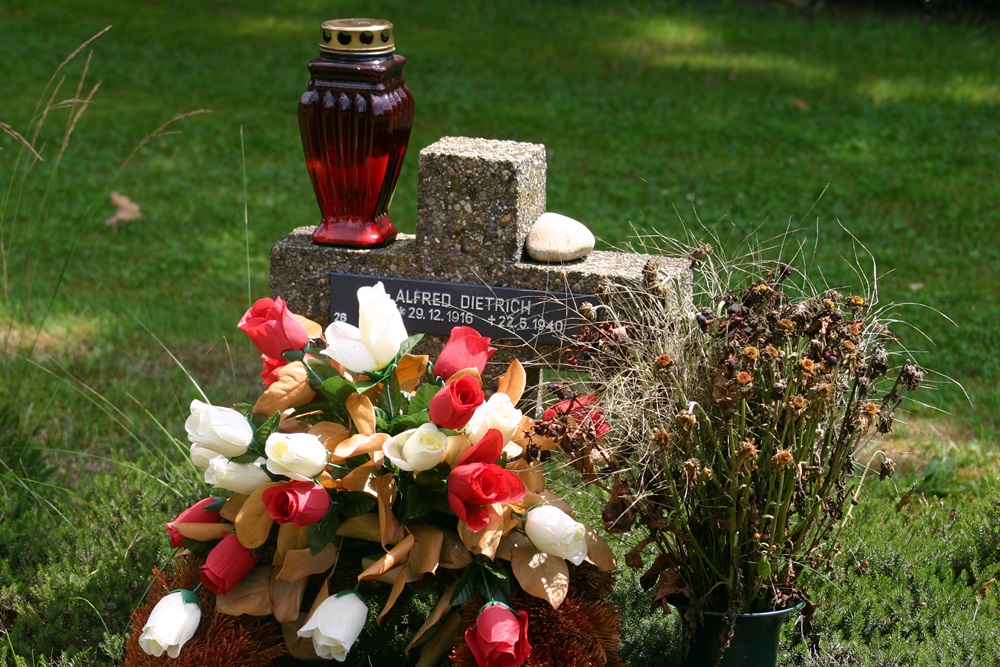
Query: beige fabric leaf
{"x": 487, "y": 540}
{"x": 454, "y": 555}
{"x": 397, "y": 589}
{"x": 541, "y": 575}
{"x": 290, "y": 537}
{"x": 364, "y": 527}
{"x": 301, "y": 563}
{"x": 290, "y": 390}
{"x": 361, "y": 443}
{"x": 203, "y": 532}
{"x": 471, "y": 371}
{"x": 232, "y": 507}
{"x": 286, "y": 598}
{"x": 599, "y": 553}
{"x": 410, "y": 370}
{"x": 362, "y": 413}
{"x": 513, "y": 381}
{"x": 253, "y": 523}
{"x": 298, "y": 647}
{"x": 330, "y": 434}
{"x": 441, "y": 642}
{"x": 359, "y": 479}
{"x": 457, "y": 446}
{"x": 313, "y": 329}
{"x": 426, "y": 554}
{"x": 396, "y": 556}
{"x": 530, "y": 473}
{"x": 251, "y": 595}
{"x": 385, "y": 487}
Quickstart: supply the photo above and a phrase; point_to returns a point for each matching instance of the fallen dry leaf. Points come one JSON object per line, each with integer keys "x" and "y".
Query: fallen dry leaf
{"x": 126, "y": 210}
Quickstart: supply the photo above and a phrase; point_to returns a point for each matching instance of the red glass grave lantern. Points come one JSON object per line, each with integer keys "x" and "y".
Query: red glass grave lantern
{"x": 355, "y": 122}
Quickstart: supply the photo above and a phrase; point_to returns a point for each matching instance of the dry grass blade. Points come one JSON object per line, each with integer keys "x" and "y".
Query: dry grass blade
{"x": 8, "y": 130}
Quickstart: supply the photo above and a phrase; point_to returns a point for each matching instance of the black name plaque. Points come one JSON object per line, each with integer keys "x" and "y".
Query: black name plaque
{"x": 502, "y": 313}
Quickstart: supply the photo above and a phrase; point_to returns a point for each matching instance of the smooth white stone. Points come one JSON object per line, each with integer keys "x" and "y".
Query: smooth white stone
{"x": 558, "y": 238}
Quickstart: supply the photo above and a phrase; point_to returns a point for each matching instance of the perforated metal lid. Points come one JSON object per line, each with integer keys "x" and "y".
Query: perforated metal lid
{"x": 357, "y": 36}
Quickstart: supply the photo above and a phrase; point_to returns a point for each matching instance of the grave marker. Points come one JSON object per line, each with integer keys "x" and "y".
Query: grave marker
{"x": 476, "y": 201}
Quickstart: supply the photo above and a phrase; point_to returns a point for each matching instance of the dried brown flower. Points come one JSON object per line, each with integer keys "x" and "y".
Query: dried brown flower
{"x": 807, "y": 364}
{"x": 786, "y": 324}
{"x": 661, "y": 437}
{"x": 691, "y": 471}
{"x": 772, "y": 351}
{"x": 911, "y": 376}
{"x": 744, "y": 378}
{"x": 798, "y": 404}
{"x": 855, "y": 301}
{"x": 871, "y": 409}
{"x": 887, "y": 469}
{"x": 664, "y": 361}
{"x": 783, "y": 459}
{"x": 686, "y": 420}
{"x": 751, "y": 353}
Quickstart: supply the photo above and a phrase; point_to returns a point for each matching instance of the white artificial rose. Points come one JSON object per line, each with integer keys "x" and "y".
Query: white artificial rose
{"x": 173, "y": 621}
{"x": 221, "y": 430}
{"x": 336, "y": 625}
{"x": 201, "y": 456}
{"x": 499, "y": 413}
{"x": 236, "y": 477}
{"x": 298, "y": 456}
{"x": 375, "y": 342}
{"x": 553, "y": 531}
{"x": 417, "y": 449}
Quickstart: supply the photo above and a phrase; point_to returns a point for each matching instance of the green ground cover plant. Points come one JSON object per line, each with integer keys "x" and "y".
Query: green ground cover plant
{"x": 746, "y": 116}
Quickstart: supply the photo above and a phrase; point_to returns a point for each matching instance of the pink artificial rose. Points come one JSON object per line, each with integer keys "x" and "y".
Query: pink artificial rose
{"x": 465, "y": 349}
{"x": 273, "y": 329}
{"x": 194, "y": 514}
{"x": 582, "y": 409}
{"x": 301, "y": 503}
{"x": 477, "y": 482}
{"x": 227, "y": 563}
{"x": 453, "y": 405}
{"x": 499, "y": 638}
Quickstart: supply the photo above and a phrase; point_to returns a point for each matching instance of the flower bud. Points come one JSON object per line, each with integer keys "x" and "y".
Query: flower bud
{"x": 220, "y": 430}
{"x": 336, "y": 625}
{"x": 553, "y": 531}
{"x": 417, "y": 449}
{"x": 172, "y": 622}
{"x": 299, "y": 456}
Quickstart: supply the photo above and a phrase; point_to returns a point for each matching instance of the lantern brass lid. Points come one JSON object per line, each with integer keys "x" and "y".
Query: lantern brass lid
{"x": 357, "y": 36}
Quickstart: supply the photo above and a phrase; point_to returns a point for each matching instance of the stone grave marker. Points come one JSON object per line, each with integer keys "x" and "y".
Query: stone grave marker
{"x": 465, "y": 265}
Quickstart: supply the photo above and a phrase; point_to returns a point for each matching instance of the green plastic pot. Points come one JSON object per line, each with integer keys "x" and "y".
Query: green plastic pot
{"x": 754, "y": 644}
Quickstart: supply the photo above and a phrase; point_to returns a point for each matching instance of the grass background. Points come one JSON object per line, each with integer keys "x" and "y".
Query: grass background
{"x": 745, "y": 116}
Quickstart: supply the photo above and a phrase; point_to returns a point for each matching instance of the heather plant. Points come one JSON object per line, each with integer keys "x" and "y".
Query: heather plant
{"x": 743, "y": 420}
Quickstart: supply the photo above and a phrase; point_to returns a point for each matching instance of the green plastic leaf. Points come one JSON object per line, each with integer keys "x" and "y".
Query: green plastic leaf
{"x": 343, "y": 505}
{"x": 419, "y": 501}
{"x": 483, "y": 579}
{"x": 261, "y": 435}
{"x": 294, "y": 355}
{"x": 406, "y": 422}
{"x": 422, "y": 398}
{"x": 408, "y": 345}
{"x": 196, "y": 547}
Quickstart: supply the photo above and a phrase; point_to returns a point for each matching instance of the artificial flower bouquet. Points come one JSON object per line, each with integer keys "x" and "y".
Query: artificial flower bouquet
{"x": 361, "y": 469}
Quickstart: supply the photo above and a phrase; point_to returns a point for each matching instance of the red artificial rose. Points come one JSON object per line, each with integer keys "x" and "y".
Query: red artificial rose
{"x": 582, "y": 409}
{"x": 227, "y": 563}
{"x": 453, "y": 405}
{"x": 273, "y": 328}
{"x": 478, "y": 482}
{"x": 301, "y": 503}
{"x": 194, "y": 514}
{"x": 465, "y": 349}
{"x": 499, "y": 638}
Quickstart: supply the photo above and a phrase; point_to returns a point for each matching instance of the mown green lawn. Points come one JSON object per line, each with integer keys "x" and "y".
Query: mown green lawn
{"x": 655, "y": 115}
